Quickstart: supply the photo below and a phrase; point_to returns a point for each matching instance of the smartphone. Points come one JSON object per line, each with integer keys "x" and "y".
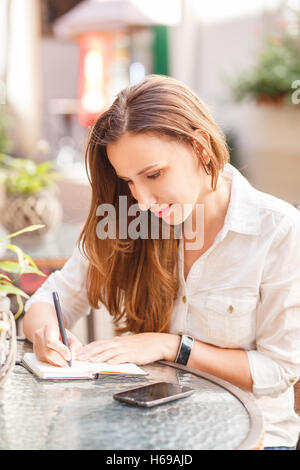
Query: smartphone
{"x": 153, "y": 394}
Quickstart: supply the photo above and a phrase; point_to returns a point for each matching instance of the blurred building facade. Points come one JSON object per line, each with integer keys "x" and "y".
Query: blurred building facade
{"x": 208, "y": 45}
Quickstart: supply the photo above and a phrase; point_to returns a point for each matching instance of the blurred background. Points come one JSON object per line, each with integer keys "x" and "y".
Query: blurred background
{"x": 63, "y": 61}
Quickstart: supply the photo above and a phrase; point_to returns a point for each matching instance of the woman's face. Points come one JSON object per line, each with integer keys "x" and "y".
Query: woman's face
{"x": 175, "y": 177}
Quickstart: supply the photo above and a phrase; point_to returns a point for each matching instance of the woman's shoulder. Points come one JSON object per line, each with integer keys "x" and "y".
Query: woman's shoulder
{"x": 268, "y": 211}
{"x": 77, "y": 264}
{"x": 80, "y": 253}
{"x": 276, "y": 213}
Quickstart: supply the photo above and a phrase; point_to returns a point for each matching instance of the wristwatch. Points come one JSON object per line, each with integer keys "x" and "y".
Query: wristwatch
{"x": 184, "y": 349}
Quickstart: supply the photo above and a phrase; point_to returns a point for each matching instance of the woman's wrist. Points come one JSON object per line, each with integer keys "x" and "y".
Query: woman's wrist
{"x": 37, "y": 316}
{"x": 171, "y": 345}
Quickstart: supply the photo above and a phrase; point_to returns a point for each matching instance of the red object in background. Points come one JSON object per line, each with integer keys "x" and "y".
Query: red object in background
{"x": 94, "y": 76}
{"x": 30, "y": 282}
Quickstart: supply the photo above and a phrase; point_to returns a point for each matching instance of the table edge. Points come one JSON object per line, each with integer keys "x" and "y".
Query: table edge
{"x": 256, "y": 419}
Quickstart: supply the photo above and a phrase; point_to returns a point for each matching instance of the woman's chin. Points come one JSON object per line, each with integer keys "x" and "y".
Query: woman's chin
{"x": 178, "y": 214}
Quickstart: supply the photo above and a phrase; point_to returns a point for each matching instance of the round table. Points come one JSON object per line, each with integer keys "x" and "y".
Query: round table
{"x": 82, "y": 414}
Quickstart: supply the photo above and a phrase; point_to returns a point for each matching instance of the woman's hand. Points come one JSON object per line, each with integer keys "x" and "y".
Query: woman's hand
{"x": 48, "y": 347}
{"x": 141, "y": 348}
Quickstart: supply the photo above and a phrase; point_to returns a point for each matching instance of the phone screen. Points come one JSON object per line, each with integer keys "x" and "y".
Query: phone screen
{"x": 161, "y": 391}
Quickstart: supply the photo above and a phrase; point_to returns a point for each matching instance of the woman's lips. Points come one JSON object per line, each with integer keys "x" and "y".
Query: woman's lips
{"x": 163, "y": 212}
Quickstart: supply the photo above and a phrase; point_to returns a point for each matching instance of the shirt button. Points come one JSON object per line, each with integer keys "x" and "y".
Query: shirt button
{"x": 184, "y": 299}
{"x": 293, "y": 380}
{"x": 230, "y": 309}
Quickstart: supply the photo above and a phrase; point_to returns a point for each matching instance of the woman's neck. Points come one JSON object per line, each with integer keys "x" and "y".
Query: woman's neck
{"x": 212, "y": 212}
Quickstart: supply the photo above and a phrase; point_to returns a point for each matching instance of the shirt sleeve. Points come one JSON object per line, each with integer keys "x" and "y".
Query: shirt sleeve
{"x": 275, "y": 364}
{"x": 70, "y": 283}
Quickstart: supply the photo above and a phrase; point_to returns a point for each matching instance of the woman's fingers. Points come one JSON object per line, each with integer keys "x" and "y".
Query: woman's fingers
{"x": 49, "y": 348}
{"x": 75, "y": 345}
{"x": 106, "y": 356}
{"x": 96, "y": 348}
{"x": 49, "y": 355}
{"x": 52, "y": 342}
{"x": 140, "y": 349}
{"x": 119, "y": 359}
{"x": 54, "y": 358}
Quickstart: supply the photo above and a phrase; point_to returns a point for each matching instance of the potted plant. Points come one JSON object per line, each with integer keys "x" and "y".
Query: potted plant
{"x": 8, "y": 286}
{"x": 268, "y": 125}
{"x": 270, "y": 79}
{"x": 30, "y": 196}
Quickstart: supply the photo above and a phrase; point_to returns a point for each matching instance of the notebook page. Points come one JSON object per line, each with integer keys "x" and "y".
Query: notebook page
{"x": 79, "y": 368}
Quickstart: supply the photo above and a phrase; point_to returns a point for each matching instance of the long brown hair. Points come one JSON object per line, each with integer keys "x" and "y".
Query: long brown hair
{"x": 137, "y": 279}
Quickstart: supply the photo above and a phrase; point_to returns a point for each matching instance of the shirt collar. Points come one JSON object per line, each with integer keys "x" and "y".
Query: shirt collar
{"x": 243, "y": 210}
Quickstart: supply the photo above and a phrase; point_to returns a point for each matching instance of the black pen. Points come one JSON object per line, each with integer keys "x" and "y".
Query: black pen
{"x": 60, "y": 322}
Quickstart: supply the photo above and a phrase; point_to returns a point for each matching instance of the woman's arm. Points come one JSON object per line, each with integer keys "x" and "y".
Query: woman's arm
{"x": 70, "y": 283}
{"x": 142, "y": 348}
{"x": 40, "y": 323}
{"x": 36, "y": 317}
{"x": 231, "y": 365}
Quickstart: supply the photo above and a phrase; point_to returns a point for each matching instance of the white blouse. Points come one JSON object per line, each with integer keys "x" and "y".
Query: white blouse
{"x": 243, "y": 292}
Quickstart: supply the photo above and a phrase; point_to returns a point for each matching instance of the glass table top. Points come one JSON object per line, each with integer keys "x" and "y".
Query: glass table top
{"x": 36, "y": 414}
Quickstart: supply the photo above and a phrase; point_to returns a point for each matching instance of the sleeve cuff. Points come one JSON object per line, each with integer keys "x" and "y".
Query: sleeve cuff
{"x": 269, "y": 378}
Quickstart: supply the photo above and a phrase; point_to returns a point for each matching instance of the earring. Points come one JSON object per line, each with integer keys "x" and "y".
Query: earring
{"x": 202, "y": 157}
{"x": 205, "y": 154}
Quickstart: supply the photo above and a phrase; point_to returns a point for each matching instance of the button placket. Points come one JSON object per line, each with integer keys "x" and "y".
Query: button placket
{"x": 293, "y": 380}
{"x": 185, "y": 309}
{"x": 184, "y": 289}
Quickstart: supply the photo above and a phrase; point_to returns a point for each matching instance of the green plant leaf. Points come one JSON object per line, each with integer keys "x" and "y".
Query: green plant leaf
{"x": 20, "y": 309}
{"x": 3, "y": 276}
{"x": 13, "y": 290}
{"x": 44, "y": 168}
{"x": 13, "y": 267}
{"x": 26, "y": 175}
{"x": 33, "y": 266}
{"x": 19, "y": 253}
{"x": 30, "y": 228}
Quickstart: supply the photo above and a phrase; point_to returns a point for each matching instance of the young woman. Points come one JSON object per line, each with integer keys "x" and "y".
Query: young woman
{"x": 219, "y": 293}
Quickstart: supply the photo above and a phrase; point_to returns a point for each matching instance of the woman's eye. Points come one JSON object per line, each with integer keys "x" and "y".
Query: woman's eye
{"x": 125, "y": 181}
{"x": 156, "y": 175}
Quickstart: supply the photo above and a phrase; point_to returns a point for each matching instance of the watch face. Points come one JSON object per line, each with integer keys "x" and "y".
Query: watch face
{"x": 185, "y": 349}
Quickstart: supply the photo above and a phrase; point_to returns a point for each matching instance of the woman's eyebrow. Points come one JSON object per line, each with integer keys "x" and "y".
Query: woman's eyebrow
{"x": 144, "y": 170}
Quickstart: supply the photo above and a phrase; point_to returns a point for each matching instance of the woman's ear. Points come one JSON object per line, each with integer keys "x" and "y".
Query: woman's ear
{"x": 202, "y": 145}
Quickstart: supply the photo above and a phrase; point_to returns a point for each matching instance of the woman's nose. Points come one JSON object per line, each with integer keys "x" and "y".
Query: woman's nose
{"x": 145, "y": 204}
{"x": 144, "y": 199}
{"x": 144, "y": 207}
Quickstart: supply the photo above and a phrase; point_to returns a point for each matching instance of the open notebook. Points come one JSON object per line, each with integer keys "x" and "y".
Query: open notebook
{"x": 79, "y": 369}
